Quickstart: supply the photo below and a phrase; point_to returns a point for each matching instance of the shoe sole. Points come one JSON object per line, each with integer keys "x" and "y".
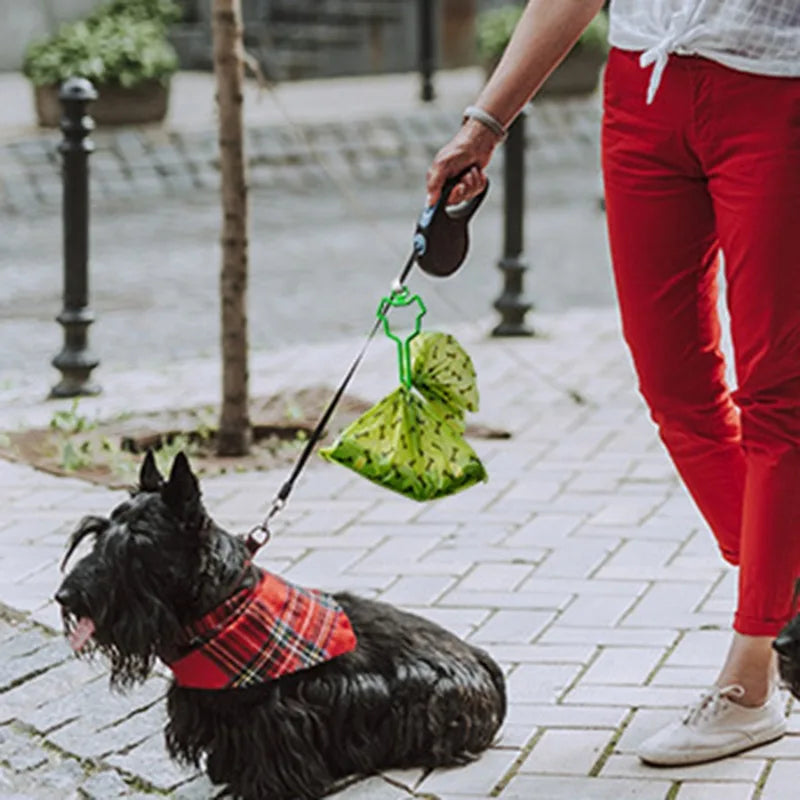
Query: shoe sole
{"x": 773, "y": 737}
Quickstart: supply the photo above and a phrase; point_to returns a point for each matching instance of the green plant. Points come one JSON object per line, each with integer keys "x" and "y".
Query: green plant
{"x": 123, "y": 42}
{"x": 163, "y": 11}
{"x": 74, "y": 458}
{"x": 69, "y": 421}
{"x": 495, "y": 26}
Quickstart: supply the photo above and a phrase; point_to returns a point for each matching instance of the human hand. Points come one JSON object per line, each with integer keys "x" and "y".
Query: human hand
{"x": 472, "y": 146}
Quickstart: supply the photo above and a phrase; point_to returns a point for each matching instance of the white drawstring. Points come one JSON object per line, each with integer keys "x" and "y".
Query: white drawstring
{"x": 658, "y": 55}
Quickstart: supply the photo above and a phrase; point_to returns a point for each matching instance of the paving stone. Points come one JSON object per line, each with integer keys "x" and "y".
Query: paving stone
{"x": 526, "y": 787}
{"x": 576, "y": 559}
{"x": 700, "y": 649}
{"x": 49, "y": 654}
{"x": 488, "y": 577}
{"x": 104, "y": 785}
{"x": 781, "y": 781}
{"x": 545, "y": 530}
{"x": 608, "y": 637}
{"x": 624, "y": 766}
{"x": 706, "y": 790}
{"x": 623, "y": 665}
{"x": 94, "y": 704}
{"x": 544, "y": 654}
{"x": 496, "y": 600}
{"x": 24, "y": 700}
{"x": 562, "y": 716}
{"x": 149, "y": 762}
{"x": 605, "y": 611}
{"x": 511, "y": 625}
{"x": 199, "y": 788}
{"x": 371, "y": 789}
{"x": 636, "y": 696}
{"x": 481, "y": 776}
{"x": 60, "y": 779}
{"x": 566, "y": 752}
{"x": 697, "y": 678}
{"x": 25, "y": 757}
{"x": 83, "y": 739}
{"x": 417, "y": 590}
{"x": 540, "y": 683}
{"x": 647, "y": 721}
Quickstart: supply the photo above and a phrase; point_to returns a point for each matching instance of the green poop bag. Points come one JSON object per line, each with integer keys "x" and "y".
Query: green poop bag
{"x": 412, "y": 441}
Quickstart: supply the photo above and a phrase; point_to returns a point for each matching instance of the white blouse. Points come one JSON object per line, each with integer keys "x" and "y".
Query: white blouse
{"x": 761, "y": 36}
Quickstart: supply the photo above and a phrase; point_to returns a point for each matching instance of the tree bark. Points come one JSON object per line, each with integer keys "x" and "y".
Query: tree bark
{"x": 235, "y": 433}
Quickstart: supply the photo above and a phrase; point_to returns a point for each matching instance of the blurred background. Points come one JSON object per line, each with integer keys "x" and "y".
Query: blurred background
{"x": 345, "y": 104}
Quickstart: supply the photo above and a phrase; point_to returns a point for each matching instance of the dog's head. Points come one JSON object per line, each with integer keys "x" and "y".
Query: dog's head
{"x": 787, "y": 646}
{"x": 156, "y": 563}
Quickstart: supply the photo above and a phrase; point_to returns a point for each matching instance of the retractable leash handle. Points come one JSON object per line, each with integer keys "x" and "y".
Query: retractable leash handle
{"x": 440, "y": 245}
{"x": 441, "y": 240}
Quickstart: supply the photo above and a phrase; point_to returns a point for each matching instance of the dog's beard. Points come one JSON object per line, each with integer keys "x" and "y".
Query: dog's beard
{"x": 127, "y": 669}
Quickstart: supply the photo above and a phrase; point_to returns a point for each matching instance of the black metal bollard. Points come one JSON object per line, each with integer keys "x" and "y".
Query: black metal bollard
{"x": 75, "y": 361}
{"x": 427, "y": 48}
{"x": 511, "y": 303}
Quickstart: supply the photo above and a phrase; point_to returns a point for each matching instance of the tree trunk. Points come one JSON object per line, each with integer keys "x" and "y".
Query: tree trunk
{"x": 234, "y": 425}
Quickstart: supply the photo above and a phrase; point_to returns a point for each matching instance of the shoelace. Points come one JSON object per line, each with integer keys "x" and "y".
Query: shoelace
{"x": 712, "y": 703}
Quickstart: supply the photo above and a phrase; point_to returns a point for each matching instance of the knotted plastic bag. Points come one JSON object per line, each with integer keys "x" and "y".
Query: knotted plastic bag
{"x": 412, "y": 441}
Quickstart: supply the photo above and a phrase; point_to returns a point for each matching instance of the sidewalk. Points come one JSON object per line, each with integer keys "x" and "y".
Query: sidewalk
{"x": 581, "y": 565}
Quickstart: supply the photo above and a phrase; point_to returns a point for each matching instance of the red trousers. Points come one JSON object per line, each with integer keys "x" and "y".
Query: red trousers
{"x": 714, "y": 164}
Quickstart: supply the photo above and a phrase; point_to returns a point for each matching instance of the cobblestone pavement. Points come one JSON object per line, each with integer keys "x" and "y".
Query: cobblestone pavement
{"x": 581, "y": 564}
{"x": 367, "y": 130}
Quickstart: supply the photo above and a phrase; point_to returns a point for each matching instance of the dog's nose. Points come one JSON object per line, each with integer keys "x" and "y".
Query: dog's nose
{"x": 63, "y": 597}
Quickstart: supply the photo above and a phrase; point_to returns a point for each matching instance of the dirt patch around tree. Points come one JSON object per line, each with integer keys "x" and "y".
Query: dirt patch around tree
{"x": 109, "y": 452}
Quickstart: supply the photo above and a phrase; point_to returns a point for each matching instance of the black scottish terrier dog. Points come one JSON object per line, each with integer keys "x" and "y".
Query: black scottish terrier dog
{"x": 279, "y": 691}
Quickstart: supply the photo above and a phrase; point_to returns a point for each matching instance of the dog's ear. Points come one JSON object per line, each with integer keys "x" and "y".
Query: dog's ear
{"x": 182, "y": 491}
{"x": 150, "y": 479}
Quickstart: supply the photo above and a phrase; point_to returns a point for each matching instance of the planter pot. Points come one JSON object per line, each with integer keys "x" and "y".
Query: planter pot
{"x": 115, "y": 105}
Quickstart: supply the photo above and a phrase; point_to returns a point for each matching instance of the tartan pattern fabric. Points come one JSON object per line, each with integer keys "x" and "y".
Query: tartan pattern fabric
{"x": 263, "y": 633}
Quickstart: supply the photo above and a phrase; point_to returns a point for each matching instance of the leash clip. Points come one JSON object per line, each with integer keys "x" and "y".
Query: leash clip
{"x": 254, "y": 542}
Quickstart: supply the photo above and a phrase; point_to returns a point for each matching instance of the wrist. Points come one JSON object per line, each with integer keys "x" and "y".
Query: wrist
{"x": 475, "y": 115}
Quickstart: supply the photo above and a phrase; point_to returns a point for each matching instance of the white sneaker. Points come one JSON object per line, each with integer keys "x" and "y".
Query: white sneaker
{"x": 715, "y": 727}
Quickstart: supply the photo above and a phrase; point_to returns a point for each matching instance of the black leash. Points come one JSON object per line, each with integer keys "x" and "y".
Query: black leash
{"x": 260, "y": 534}
{"x": 440, "y": 247}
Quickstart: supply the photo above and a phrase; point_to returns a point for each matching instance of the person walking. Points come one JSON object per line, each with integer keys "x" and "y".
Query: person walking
{"x": 700, "y": 155}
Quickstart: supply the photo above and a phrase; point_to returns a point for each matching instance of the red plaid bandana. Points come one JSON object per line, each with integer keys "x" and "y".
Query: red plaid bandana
{"x": 263, "y": 633}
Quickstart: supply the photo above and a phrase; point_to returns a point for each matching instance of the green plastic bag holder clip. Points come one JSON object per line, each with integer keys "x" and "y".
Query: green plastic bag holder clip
{"x": 412, "y": 440}
{"x": 401, "y": 299}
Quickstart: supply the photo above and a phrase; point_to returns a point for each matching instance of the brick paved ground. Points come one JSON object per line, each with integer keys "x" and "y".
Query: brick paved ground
{"x": 581, "y": 565}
